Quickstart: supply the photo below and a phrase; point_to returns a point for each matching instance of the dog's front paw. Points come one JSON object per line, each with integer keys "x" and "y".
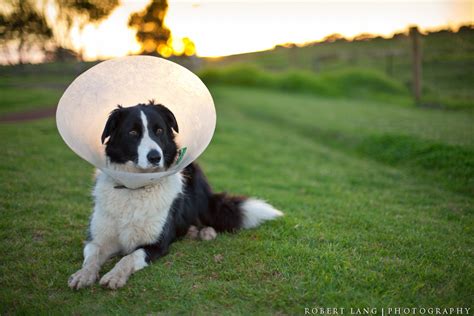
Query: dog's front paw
{"x": 193, "y": 232}
{"x": 114, "y": 279}
{"x": 207, "y": 233}
{"x": 82, "y": 278}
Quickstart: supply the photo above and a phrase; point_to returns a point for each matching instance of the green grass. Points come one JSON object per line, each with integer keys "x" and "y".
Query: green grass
{"x": 28, "y": 87}
{"x": 437, "y": 144}
{"x": 16, "y": 100}
{"x": 378, "y": 203}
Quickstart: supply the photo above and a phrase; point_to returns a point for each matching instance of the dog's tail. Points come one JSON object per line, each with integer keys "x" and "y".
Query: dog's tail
{"x": 230, "y": 213}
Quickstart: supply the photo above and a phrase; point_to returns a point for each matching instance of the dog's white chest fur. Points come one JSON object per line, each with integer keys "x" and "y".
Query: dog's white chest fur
{"x": 125, "y": 219}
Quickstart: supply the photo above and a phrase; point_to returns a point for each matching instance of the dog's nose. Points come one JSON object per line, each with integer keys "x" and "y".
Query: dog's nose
{"x": 154, "y": 156}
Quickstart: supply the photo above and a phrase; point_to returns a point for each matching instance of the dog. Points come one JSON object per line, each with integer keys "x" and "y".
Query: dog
{"x": 142, "y": 223}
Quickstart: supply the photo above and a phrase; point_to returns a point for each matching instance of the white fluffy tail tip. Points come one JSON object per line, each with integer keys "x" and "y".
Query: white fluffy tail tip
{"x": 256, "y": 212}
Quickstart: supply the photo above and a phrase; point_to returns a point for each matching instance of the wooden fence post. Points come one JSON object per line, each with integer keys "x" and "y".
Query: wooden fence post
{"x": 293, "y": 55}
{"x": 389, "y": 63}
{"x": 416, "y": 63}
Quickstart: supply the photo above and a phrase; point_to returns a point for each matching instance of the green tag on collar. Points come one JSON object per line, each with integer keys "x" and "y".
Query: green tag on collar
{"x": 181, "y": 153}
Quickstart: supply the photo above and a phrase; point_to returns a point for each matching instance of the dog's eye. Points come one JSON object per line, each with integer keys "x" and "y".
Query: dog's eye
{"x": 133, "y": 133}
{"x": 158, "y": 131}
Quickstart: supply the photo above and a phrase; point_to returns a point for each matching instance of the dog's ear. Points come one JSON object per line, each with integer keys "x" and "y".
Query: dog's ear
{"x": 112, "y": 123}
{"x": 167, "y": 114}
{"x": 171, "y": 119}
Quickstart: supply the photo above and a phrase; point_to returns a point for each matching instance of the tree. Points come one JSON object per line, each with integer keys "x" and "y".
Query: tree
{"x": 24, "y": 26}
{"x": 152, "y": 34}
{"x": 467, "y": 28}
{"x": 333, "y": 38}
{"x": 363, "y": 37}
{"x": 23, "y": 29}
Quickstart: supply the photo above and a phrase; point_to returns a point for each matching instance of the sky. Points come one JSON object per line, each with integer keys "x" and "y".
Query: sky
{"x": 226, "y": 27}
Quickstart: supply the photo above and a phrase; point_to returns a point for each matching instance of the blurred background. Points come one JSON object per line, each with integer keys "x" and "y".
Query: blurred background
{"x": 418, "y": 52}
{"x": 356, "y": 118}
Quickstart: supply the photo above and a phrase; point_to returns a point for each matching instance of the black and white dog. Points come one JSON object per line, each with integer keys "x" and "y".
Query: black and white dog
{"x": 142, "y": 223}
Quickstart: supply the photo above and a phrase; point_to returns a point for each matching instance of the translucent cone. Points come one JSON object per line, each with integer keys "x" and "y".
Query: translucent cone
{"x": 85, "y": 106}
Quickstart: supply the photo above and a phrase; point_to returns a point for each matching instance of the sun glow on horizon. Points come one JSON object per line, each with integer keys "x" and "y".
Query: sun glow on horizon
{"x": 220, "y": 28}
{"x": 110, "y": 38}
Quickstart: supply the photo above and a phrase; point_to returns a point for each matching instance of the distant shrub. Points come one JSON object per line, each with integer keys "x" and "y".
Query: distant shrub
{"x": 242, "y": 75}
{"x": 351, "y": 82}
{"x": 355, "y": 80}
{"x": 303, "y": 81}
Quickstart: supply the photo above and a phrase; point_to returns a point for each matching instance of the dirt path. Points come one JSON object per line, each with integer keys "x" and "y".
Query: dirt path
{"x": 28, "y": 115}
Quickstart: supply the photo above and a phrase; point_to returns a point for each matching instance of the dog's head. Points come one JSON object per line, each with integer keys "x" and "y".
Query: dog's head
{"x": 141, "y": 138}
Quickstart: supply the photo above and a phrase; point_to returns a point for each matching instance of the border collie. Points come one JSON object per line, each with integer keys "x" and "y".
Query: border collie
{"x": 142, "y": 223}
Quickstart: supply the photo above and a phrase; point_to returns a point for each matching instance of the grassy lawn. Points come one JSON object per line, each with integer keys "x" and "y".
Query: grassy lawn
{"x": 378, "y": 202}
{"x": 28, "y": 87}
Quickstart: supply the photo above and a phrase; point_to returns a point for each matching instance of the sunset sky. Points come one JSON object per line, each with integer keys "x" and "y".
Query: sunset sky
{"x": 230, "y": 27}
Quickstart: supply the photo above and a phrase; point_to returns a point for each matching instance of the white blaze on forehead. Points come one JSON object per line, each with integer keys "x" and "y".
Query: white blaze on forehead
{"x": 146, "y": 145}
